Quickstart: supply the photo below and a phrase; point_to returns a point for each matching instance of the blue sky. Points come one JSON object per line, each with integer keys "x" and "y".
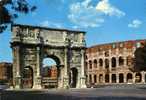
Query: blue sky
{"x": 104, "y": 20}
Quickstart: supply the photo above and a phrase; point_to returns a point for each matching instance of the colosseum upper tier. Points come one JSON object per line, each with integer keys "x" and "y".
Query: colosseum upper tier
{"x": 111, "y": 64}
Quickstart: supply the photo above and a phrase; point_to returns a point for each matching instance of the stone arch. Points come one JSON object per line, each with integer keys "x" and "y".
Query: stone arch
{"x": 100, "y": 62}
{"x": 27, "y": 77}
{"x": 56, "y": 58}
{"x": 114, "y": 78}
{"x": 121, "y": 78}
{"x": 106, "y": 78}
{"x": 121, "y": 61}
{"x": 66, "y": 47}
{"x": 106, "y": 63}
{"x": 138, "y": 77}
{"x": 90, "y": 64}
{"x": 95, "y": 63}
{"x": 129, "y": 78}
{"x": 114, "y": 62}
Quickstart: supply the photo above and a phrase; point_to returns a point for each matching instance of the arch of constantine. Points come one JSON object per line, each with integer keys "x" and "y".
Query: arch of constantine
{"x": 30, "y": 45}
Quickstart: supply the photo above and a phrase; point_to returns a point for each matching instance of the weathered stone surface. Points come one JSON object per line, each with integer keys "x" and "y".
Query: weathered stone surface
{"x": 30, "y": 45}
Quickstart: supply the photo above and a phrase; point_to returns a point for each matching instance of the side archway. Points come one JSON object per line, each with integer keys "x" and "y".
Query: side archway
{"x": 27, "y": 77}
{"x": 73, "y": 77}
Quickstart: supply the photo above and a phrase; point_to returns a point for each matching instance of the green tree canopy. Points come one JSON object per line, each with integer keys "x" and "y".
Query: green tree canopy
{"x": 9, "y": 10}
{"x": 140, "y": 58}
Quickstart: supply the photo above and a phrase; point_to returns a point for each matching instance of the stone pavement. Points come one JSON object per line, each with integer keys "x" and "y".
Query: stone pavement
{"x": 137, "y": 93}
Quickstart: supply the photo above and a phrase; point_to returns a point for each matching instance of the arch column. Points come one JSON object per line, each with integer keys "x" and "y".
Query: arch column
{"x": 125, "y": 61}
{"x": 117, "y": 78}
{"x": 110, "y": 78}
{"x": 103, "y": 80}
{"x": 142, "y": 77}
{"x": 125, "y": 78}
{"x": 110, "y": 64}
{"x": 37, "y": 76}
{"x": 103, "y": 66}
{"x": 60, "y": 77}
{"x": 16, "y": 68}
{"x": 117, "y": 61}
{"x": 78, "y": 83}
{"x": 133, "y": 76}
{"x": 66, "y": 70}
{"x": 82, "y": 78}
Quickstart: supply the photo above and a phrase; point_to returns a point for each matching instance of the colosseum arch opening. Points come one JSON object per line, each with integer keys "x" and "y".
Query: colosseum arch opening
{"x": 114, "y": 78}
{"x": 106, "y": 78}
{"x": 95, "y": 63}
{"x": 121, "y": 61}
{"x": 100, "y": 78}
{"x": 31, "y": 44}
{"x": 106, "y": 63}
{"x": 121, "y": 78}
{"x": 100, "y": 63}
{"x": 90, "y": 64}
{"x": 113, "y": 62}
{"x": 95, "y": 79}
{"x": 129, "y": 78}
{"x": 138, "y": 77}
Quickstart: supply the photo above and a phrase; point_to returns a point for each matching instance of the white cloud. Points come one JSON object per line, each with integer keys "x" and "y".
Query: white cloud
{"x": 105, "y": 7}
{"x": 135, "y": 24}
{"x": 84, "y": 15}
{"x": 46, "y": 23}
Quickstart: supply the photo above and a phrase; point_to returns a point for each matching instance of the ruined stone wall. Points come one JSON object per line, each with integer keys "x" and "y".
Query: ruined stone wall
{"x": 111, "y": 63}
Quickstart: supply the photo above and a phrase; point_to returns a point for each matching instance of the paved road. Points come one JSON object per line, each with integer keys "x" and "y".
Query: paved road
{"x": 78, "y": 94}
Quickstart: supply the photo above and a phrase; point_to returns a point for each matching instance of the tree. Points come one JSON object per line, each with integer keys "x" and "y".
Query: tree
{"x": 140, "y": 58}
{"x": 9, "y": 10}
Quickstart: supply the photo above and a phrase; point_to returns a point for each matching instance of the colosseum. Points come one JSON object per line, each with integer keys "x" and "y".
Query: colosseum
{"x": 111, "y": 64}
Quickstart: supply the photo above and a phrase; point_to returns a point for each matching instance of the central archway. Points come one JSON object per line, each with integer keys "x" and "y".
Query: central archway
{"x": 50, "y": 71}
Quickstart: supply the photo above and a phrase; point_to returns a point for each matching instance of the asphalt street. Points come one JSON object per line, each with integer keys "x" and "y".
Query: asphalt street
{"x": 108, "y": 93}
